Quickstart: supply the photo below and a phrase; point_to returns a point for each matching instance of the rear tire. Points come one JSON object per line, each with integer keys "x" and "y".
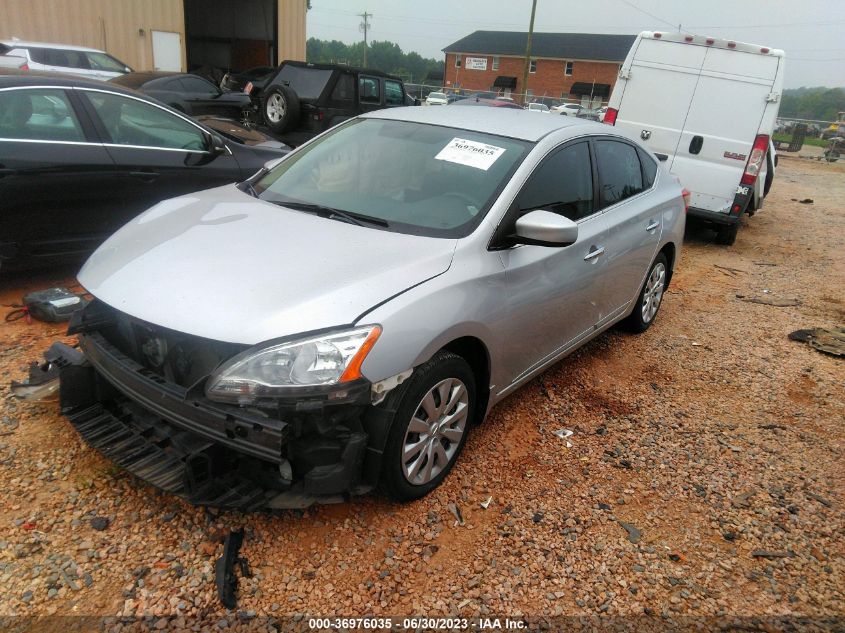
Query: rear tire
{"x": 651, "y": 297}
{"x": 427, "y": 434}
{"x": 280, "y": 108}
{"x": 726, "y": 234}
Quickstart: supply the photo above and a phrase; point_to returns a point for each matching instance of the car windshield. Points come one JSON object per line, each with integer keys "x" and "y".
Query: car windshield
{"x": 436, "y": 95}
{"x": 101, "y": 61}
{"x": 419, "y": 179}
{"x": 308, "y": 83}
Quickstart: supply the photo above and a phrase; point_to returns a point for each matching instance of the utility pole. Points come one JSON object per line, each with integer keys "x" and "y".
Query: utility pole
{"x": 363, "y": 28}
{"x": 528, "y": 52}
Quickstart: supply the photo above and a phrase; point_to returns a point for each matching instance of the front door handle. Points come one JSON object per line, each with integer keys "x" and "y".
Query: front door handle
{"x": 652, "y": 226}
{"x": 594, "y": 253}
{"x": 147, "y": 176}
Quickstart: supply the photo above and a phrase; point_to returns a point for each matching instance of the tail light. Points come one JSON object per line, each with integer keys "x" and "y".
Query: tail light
{"x": 755, "y": 160}
{"x": 686, "y": 196}
{"x": 318, "y": 115}
{"x": 610, "y": 116}
{"x": 25, "y": 67}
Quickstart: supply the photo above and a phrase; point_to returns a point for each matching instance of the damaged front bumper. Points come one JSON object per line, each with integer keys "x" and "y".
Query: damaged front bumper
{"x": 217, "y": 454}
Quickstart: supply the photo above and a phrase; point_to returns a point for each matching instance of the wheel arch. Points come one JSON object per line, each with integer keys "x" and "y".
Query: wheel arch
{"x": 476, "y": 354}
{"x": 670, "y": 251}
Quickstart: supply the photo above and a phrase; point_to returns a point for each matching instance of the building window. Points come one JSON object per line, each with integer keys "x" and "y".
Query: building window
{"x": 568, "y": 71}
{"x": 532, "y": 66}
{"x": 529, "y": 94}
{"x": 495, "y": 62}
{"x": 457, "y": 61}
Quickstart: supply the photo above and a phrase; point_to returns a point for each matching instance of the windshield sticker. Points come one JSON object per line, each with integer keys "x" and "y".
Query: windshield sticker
{"x": 470, "y": 153}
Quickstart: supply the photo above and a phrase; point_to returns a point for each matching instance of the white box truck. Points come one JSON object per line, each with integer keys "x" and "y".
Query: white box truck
{"x": 709, "y": 107}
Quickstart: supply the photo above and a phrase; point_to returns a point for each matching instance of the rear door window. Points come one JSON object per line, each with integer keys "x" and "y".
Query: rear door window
{"x": 620, "y": 173}
{"x": 344, "y": 89}
{"x": 649, "y": 169}
{"x": 563, "y": 184}
{"x": 42, "y": 114}
{"x": 132, "y": 122}
{"x": 368, "y": 90}
{"x": 393, "y": 93}
{"x": 66, "y": 58}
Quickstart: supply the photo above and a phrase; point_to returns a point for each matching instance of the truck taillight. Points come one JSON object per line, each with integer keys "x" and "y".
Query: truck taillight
{"x": 686, "y": 195}
{"x": 25, "y": 67}
{"x": 610, "y": 116}
{"x": 755, "y": 160}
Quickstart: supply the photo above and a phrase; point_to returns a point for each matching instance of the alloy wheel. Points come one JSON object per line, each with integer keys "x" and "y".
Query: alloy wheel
{"x": 435, "y": 431}
{"x": 276, "y": 108}
{"x": 653, "y": 293}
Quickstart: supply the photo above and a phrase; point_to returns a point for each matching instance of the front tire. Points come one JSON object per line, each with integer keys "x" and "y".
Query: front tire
{"x": 430, "y": 426}
{"x": 651, "y": 297}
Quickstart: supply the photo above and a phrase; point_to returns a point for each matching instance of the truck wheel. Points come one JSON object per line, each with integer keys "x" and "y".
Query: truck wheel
{"x": 280, "y": 108}
{"x": 651, "y": 296}
{"x": 429, "y": 428}
{"x": 726, "y": 234}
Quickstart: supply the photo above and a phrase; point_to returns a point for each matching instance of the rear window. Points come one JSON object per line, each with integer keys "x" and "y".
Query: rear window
{"x": 308, "y": 83}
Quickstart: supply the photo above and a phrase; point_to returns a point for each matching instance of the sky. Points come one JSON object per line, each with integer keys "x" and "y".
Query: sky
{"x": 812, "y": 32}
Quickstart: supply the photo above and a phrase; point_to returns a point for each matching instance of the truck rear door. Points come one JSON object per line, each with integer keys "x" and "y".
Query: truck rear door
{"x": 657, "y": 94}
{"x": 723, "y": 121}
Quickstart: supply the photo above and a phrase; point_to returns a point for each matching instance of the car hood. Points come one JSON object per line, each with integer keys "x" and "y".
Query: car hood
{"x": 223, "y": 265}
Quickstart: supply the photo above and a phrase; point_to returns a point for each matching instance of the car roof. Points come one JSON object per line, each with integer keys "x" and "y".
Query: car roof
{"x": 15, "y": 78}
{"x": 341, "y": 67}
{"x": 70, "y": 47}
{"x": 500, "y": 121}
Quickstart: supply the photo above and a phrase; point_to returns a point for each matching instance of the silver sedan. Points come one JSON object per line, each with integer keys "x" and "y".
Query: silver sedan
{"x": 341, "y": 319}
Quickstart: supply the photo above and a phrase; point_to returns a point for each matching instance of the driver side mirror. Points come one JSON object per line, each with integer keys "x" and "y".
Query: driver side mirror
{"x": 218, "y": 145}
{"x": 544, "y": 228}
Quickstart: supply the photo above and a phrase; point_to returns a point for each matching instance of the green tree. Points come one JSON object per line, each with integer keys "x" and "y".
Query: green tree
{"x": 385, "y": 56}
{"x": 821, "y": 104}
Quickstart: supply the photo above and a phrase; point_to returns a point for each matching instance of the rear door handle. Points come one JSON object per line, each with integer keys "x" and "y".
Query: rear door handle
{"x": 145, "y": 175}
{"x": 594, "y": 253}
{"x": 652, "y": 226}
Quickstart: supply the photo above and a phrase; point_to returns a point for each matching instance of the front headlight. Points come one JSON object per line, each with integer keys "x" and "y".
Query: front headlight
{"x": 278, "y": 370}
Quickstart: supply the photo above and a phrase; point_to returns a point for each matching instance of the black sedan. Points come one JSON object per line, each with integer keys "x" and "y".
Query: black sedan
{"x": 187, "y": 93}
{"x": 79, "y": 158}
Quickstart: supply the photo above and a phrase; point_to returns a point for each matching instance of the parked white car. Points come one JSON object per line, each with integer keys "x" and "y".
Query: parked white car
{"x": 538, "y": 107}
{"x": 64, "y": 58}
{"x": 437, "y": 98}
{"x": 568, "y": 109}
{"x": 12, "y": 61}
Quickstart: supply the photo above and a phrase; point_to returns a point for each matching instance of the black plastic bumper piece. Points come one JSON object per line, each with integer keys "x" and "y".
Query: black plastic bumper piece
{"x": 713, "y": 216}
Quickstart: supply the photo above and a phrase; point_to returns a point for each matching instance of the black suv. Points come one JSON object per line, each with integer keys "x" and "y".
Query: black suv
{"x": 301, "y": 99}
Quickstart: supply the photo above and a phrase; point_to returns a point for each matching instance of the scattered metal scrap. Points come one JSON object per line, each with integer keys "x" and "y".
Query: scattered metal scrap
{"x": 224, "y": 569}
{"x": 457, "y": 512}
{"x": 828, "y": 340}
{"x": 43, "y": 380}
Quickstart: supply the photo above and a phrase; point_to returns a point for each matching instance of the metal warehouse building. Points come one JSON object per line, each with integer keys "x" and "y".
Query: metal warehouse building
{"x": 166, "y": 34}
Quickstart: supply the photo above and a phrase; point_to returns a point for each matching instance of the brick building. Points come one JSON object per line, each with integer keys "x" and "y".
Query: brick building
{"x": 573, "y": 66}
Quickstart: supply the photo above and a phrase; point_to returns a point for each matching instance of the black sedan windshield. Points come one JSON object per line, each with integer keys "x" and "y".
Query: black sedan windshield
{"x": 421, "y": 179}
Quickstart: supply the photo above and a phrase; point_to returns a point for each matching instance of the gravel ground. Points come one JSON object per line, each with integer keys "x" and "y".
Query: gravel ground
{"x": 704, "y": 476}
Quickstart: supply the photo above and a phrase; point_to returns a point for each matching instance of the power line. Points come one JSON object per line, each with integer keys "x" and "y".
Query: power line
{"x": 651, "y": 15}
